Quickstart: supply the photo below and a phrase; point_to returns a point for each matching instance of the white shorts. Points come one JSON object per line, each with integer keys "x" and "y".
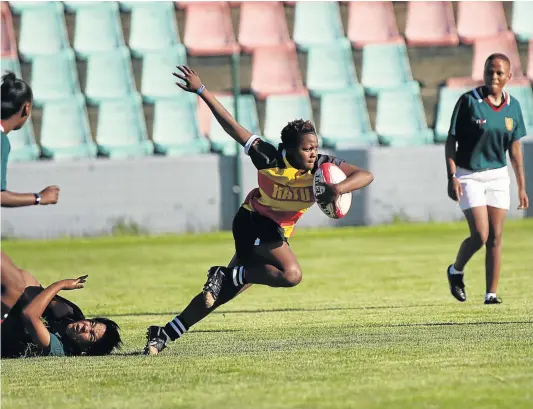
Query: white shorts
{"x": 484, "y": 188}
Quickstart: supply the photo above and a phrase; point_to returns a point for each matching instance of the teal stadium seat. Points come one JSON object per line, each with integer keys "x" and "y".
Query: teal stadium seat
{"x": 176, "y": 128}
{"x": 128, "y": 6}
{"x": 344, "y": 121}
{"x": 11, "y": 64}
{"x": 109, "y": 75}
{"x": 73, "y": 6}
{"x": 17, "y": 7}
{"x": 400, "y": 117}
{"x": 97, "y": 29}
{"x": 42, "y": 30}
{"x": 157, "y": 80}
{"x": 220, "y": 140}
{"x": 524, "y": 95}
{"x": 65, "y": 131}
{"x": 385, "y": 66}
{"x": 153, "y": 28}
{"x": 54, "y": 76}
{"x": 282, "y": 109}
{"x": 330, "y": 67}
{"x": 523, "y": 20}
{"x": 23, "y": 146}
{"x": 316, "y": 23}
{"x": 121, "y": 130}
{"x": 448, "y": 97}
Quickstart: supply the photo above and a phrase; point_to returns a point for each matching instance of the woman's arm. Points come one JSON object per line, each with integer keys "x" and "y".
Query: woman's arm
{"x": 516, "y": 156}
{"x": 455, "y": 190}
{"x": 31, "y": 315}
{"x": 356, "y": 178}
{"x": 49, "y": 195}
{"x": 193, "y": 83}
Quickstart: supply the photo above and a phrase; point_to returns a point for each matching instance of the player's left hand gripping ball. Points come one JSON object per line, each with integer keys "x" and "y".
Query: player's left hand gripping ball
{"x": 330, "y": 174}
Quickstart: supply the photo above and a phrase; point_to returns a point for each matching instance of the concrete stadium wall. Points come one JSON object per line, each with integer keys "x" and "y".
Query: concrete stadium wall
{"x": 195, "y": 193}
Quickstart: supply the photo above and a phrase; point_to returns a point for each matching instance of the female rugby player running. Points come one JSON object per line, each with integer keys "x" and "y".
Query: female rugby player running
{"x": 267, "y": 217}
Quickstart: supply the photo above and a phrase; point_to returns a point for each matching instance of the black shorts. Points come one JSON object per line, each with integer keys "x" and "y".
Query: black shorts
{"x": 252, "y": 229}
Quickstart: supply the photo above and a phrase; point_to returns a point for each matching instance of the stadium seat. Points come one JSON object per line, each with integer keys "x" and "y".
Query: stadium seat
{"x": 98, "y": 29}
{"x": 344, "y": 121}
{"x": 316, "y": 23}
{"x": 281, "y": 109}
{"x": 11, "y": 64}
{"x": 8, "y": 39}
{"x": 73, "y": 6}
{"x": 385, "y": 66}
{"x": 208, "y": 29}
{"x": 176, "y": 128}
{"x": 371, "y": 22}
{"x": 65, "y": 131}
{"x": 23, "y": 146}
{"x": 262, "y": 24}
{"x": 275, "y": 71}
{"x": 524, "y": 95}
{"x": 121, "y": 130}
{"x": 522, "y": 20}
{"x": 153, "y": 27}
{"x": 400, "y": 119}
{"x": 479, "y": 19}
{"x": 330, "y": 67}
{"x": 503, "y": 43}
{"x": 530, "y": 61}
{"x": 448, "y": 97}
{"x": 109, "y": 75}
{"x": 42, "y": 30}
{"x": 430, "y": 23}
{"x": 54, "y": 76}
{"x": 157, "y": 80}
{"x": 18, "y": 7}
{"x": 220, "y": 140}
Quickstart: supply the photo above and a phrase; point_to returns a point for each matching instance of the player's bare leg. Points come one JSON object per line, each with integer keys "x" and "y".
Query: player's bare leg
{"x": 493, "y": 256}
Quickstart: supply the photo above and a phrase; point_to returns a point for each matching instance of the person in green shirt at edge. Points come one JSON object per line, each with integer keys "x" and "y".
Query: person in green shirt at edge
{"x": 486, "y": 123}
{"x": 17, "y": 99}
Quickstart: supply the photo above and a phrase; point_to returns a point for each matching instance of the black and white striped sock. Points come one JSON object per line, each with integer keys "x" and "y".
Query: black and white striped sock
{"x": 239, "y": 276}
{"x": 176, "y": 328}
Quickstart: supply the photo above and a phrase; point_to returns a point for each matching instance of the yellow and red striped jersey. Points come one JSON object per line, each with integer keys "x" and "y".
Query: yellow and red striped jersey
{"x": 284, "y": 193}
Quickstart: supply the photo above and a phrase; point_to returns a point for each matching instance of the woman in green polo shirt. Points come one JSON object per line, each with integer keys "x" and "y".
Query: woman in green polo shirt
{"x": 17, "y": 99}
{"x": 486, "y": 123}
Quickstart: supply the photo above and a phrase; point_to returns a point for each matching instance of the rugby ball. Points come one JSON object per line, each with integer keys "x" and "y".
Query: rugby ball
{"x": 330, "y": 173}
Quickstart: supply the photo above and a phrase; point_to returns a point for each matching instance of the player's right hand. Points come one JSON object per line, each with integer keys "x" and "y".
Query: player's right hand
{"x": 455, "y": 190}
{"x": 49, "y": 195}
{"x": 192, "y": 80}
{"x": 73, "y": 283}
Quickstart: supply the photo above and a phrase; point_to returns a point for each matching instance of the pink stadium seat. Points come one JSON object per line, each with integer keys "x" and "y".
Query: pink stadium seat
{"x": 9, "y": 43}
{"x": 530, "y": 61}
{"x": 371, "y": 22}
{"x": 185, "y": 4}
{"x": 431, "y": 23}
{"x": 208, "y": 29}
{"x": 478, "y": 19}
{"x": 262, "y": 24}
{"x": 503, "y": 43}
{"x": 275, "y": 71}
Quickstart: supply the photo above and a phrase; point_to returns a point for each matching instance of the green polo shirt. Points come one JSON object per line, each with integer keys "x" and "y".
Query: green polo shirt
{"x": 484, "y": 133}
{"x": 5, "y": 147}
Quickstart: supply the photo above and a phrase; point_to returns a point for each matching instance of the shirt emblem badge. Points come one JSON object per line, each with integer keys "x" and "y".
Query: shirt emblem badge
{"x": 509, "y": 123}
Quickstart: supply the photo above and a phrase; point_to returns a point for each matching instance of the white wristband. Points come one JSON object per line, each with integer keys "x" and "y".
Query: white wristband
{"x": 249, "y": 143}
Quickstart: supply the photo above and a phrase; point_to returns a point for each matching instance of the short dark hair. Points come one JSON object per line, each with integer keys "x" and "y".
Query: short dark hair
{"x": 498, "y": 56}
{"x": 291, "y": 133}
{"x": 15, "y": 93}
{"x": 109, "y": 341}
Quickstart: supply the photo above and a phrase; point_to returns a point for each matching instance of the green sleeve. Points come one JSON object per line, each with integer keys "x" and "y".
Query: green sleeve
{"x": 460, "y": 112}
{"x": 55, "y": 348}
{"x": 520, "y": 130}
{"x": 5, "y": 147}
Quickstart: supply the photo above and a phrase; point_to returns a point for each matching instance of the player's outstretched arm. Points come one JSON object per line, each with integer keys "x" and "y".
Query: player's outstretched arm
{"x": 49, "y": 195}
{"x": 31, "y": 315}
{"x": 193, "y": 83}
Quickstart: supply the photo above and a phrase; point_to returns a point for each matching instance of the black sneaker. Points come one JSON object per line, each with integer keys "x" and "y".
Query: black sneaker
{"x": 213, "y": 285}
{"x": 493, "y": 300}
{"x": 457, "y": 286}
{"x": 156, "y": 340}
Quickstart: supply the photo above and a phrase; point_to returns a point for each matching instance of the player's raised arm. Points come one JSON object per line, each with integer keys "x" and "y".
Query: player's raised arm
{"x": 193, "y": 83}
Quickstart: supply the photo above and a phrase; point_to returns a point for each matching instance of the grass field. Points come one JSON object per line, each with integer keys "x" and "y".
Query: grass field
{"x": 372, "y": 325}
